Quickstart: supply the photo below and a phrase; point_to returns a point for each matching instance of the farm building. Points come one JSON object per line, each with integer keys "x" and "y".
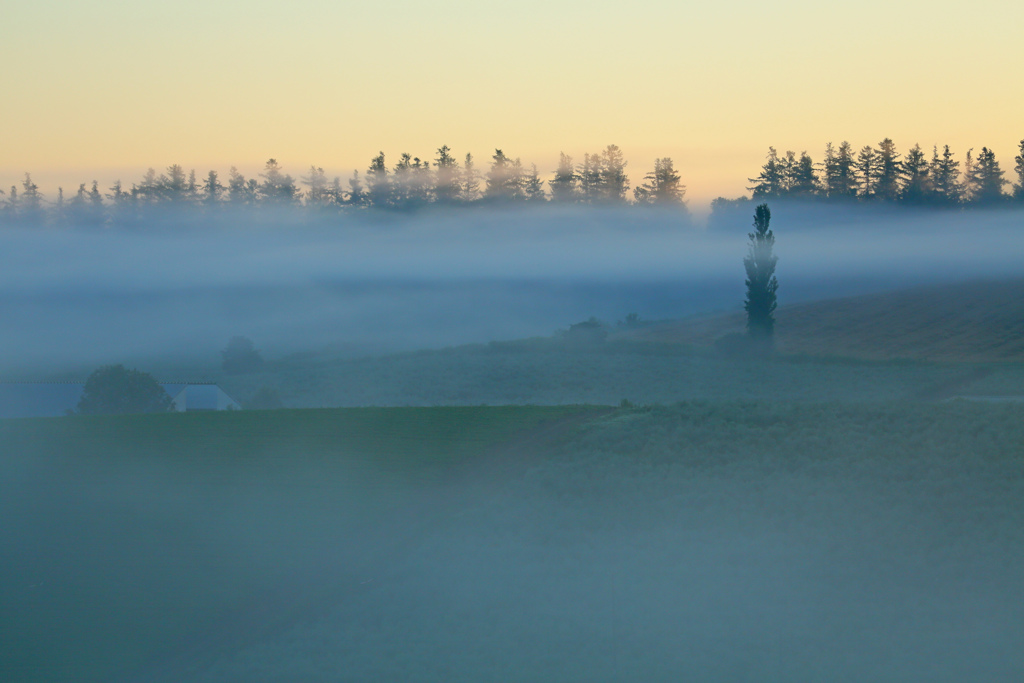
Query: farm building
{"x": 52, "y": 399}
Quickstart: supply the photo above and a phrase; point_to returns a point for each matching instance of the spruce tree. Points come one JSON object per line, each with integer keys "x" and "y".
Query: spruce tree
{"x": 447, "y": 187}
{"x": 802, "y": 181}
{"x": 356, "y": 195}
{"x": 501, "y": 180}
{"x": 770, "y": 183}
{"x": 277, "y": 187}
{"x": 319, "y": 193}
{"x": 916, "y": 186}
{"x": 867, "y": 171}
{"x": 470, "y": 180}
{"x": 1018, "y": 187}
{"x": 378, "y": 185}
{"x": 944, "y": 173}
{"x": 533, "y": 186}
{"x": 889, "y": 171}
{"x": 614, "y": 183}
{"x": 986, "y": 180}
{"x": 565, "y": 184}
{"x": 212, "y": 190}
{"x": 590, "y": 178}
{"x": 761, "y": 283}
{"x": 662, "y": 187}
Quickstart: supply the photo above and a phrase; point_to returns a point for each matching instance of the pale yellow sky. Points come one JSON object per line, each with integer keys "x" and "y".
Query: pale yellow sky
{"x": 106, "y": 89}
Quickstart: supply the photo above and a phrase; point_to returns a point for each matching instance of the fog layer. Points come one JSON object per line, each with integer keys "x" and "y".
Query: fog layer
{"x": 441, "y": 278}
{"x": 698, "y": 542}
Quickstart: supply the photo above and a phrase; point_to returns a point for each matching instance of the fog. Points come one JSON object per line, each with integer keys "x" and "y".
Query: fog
{"x": 182, "y": 287}
{"x": 652, "y": 545}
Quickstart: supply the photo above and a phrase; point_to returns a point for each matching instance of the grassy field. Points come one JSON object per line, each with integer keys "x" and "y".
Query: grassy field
{"x": 127, "y": 538}
{"x": 980, "y": 321}
{"x": 699, "y": 541}
{"x": 549, "y": 372}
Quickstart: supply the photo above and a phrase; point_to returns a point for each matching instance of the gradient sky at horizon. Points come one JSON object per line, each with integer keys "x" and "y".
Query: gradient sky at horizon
{"x": 106, "y": 89}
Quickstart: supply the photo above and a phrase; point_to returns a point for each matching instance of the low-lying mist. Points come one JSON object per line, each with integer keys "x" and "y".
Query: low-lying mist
{"x": 75, "y": 297}
{"x": 696, "y": 542}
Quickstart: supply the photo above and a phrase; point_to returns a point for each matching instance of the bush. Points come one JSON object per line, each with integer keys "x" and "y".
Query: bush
{"x": 588, "y": 332}
{"x": 112, "y": 390}
{"x": 239, "y": 356}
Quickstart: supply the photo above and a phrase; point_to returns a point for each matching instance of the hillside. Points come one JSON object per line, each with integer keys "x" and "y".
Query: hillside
{"x": 974, "y": 322}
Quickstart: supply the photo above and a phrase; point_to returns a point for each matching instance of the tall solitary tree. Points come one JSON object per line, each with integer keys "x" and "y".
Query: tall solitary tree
{"x": 761, "y": 283}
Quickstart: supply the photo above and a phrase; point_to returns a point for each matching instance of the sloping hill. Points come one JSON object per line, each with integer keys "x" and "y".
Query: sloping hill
{"x": 974, "y": 321}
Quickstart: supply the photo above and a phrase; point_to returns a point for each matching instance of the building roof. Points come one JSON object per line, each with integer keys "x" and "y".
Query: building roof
{"x": 52, "y": 399}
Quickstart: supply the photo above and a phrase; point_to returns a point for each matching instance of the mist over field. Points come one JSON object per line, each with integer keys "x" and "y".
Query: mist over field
{"x": 181, "y": 288}
{"x": 701, "y": 541}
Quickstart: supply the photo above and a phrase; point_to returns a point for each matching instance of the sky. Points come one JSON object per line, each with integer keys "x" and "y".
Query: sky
{"x": 104, "y": 90}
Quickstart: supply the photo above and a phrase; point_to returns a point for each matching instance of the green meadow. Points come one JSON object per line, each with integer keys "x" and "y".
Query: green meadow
{"x": 516, "y": 543}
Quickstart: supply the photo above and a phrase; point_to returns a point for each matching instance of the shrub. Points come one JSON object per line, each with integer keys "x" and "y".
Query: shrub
{"x": 113, "y": 389}
{"x": 239, "y": 356}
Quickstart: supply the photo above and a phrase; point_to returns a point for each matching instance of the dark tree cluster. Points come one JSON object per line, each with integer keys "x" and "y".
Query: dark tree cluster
{"x": 409, "y": 184}
{"x": 883, "y": 174}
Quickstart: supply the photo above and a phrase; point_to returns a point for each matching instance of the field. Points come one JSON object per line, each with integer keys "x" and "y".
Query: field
{"x": 980, "y": 321}
{"x": 705, "y": 540}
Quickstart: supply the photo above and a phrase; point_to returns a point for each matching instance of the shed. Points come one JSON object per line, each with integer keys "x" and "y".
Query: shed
{"x": 52, "y": 399}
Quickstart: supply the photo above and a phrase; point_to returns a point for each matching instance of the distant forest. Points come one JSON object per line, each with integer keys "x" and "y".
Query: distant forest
{"x": 872, "y": 174}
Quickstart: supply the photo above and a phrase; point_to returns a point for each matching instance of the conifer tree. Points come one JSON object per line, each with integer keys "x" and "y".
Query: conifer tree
{"x": 916, "y": 186}
{"x": 986, "y": 179}
{"x": 761, "y": 282}
{"x": 319, "y": 193}
{"x": 590, "y": 178}
{"x": 173, "y": 185}
{"x": 356, "y": 195}
{"x": 420, "y": 182}
{"x": 192, "y": 187}
{"x": 867, "y": 171}
{"x": 662, "y": 187}
{"x": 889, "y": 171}
{"x": 967, "y": 182}
{"x": 447, "y": 187}
{"x": 770, "y": 183}
{"x": 1018, "y": 187}
{"x": 378, "y": 185}
{"x": 501, "y": 178}
{"x": 31, "y": 197}
{"x": 277, "y": 187}
{"x": 470, "y": 180}
{"x": 944, "y": 173}
{"x": 839, "y": 179}
{"x": 801, "y": 180}
{"x": 533, "y": 186}
{"x": 96, "y": 197}
{"x": 212, "y": 190}
{"x": 565, "y": 184}
{"x": 613, "y": 179}
{"x": 239, "y": 190}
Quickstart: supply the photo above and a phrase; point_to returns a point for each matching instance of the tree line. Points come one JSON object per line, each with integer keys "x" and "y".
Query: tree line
{"x": 872, "y": 174}
{"x": 882, "y": 174}
{"x": 410, "y": 183}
